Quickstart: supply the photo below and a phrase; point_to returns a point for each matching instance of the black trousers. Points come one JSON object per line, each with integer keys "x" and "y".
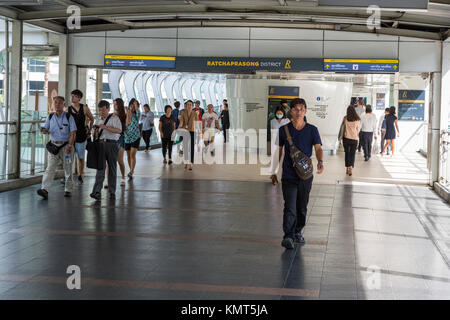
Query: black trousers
{"x": 188, "y": 145}
{"x": 146, "y": 136}
{"x": 296, "y": 198}
{"x": 367, "y": 143}
{"x": 225, "y": 132}
{"x": 360, "y": 141}
{"x": 167, "y": 145}
{"x": 350, "y": 150}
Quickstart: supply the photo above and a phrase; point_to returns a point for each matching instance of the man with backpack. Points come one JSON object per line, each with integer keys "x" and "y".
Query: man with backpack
{"x": 62, "y": 129}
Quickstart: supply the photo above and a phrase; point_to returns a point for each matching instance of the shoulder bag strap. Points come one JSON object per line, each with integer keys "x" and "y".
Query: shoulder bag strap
{"x": 106, "y": 121}
{"x": 288, "y": 135}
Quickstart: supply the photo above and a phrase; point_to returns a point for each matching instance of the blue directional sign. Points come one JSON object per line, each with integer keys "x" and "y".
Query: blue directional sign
{"x": 360, "y": 65}
{"x": 127, "y": 61}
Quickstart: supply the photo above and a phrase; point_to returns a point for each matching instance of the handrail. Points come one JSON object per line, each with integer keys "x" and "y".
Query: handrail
{"x": 412, "y": 135}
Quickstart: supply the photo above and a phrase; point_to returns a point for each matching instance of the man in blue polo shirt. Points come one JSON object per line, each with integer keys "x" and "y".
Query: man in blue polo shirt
{"x": 62, "y": 129}
{"x": 295, "y": 190}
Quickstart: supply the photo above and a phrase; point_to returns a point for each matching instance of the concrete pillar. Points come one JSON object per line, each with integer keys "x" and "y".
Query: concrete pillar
{"x": 82, "y": 82}
{"x": 434, "y": 127}
{"x": 444, "y": 159}
{"x": 63, "y": 72}
{"x": 98, "y": 87}
{"x": 15, "y": 96}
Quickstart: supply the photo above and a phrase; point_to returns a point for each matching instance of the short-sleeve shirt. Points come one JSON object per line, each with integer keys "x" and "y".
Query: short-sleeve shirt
{"x": 113, "y": 122}
{"x": 175, "y": 114}
{"x": 167, "y": 124}
{"x": 210, "y": 120}
{"x": 199, "y": 111}
{"x": 132, "y": 132}
{"x": 60, "y": 127}
{"x": 303, "y": 139}
{"x": 148, "y": 120}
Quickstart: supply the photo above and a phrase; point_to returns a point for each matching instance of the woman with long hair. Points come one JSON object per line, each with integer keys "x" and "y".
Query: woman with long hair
{"x": 389, "y": 136}
{"x": 132, "y": 134}
{"x": 119, "y": 110}
{"x": 352, "y": 125}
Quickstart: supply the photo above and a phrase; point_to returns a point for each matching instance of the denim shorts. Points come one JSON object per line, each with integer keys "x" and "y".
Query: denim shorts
{"x": 121, "y": 142}
{"x": 80, "y": 149}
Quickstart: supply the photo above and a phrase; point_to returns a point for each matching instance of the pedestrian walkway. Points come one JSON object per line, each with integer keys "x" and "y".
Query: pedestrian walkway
{"x": 175, "y": 234}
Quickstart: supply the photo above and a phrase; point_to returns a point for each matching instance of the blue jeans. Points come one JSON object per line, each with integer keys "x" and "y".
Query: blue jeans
{"x": 296, "y": 198}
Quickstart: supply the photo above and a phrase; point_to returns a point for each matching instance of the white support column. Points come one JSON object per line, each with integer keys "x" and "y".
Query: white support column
{"x": 63, "y": 72}
{"x": 434, "y": 127}
{"x": 82, "y": 82}
{"x": 15, "y": 96}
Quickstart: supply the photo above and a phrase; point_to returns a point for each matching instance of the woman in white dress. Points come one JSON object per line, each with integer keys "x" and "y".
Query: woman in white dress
{"x": 275, "y": 124}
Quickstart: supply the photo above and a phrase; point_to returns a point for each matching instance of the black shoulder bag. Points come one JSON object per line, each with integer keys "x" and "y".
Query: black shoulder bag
{"x": 302, "y": 163}
{"x": 95, "y": 149}
{"x": 51, "y": 147}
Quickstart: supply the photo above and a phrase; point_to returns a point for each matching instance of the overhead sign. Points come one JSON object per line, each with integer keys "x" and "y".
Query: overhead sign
{"x": 360, "y": 65}
{"x": 246, "y": 65}
{"x": 386, "y": 4}
{"x": 128, "y": 61}
{"x": 411, "y": 105}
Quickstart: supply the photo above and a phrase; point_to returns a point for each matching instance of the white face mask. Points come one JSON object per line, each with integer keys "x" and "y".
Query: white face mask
{"x": 279, "y": 115}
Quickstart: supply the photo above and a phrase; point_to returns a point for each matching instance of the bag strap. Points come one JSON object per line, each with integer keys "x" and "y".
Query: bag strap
{"x": 106, "y": 121}
{"x": 288, "y": 135}
{"x": 291, "y": 143}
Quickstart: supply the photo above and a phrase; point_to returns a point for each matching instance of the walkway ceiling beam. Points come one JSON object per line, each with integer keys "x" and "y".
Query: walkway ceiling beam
{"x": 322, "y": 26}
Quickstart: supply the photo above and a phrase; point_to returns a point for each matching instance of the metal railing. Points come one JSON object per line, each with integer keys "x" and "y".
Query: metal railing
{"x": 32, "y": 147}
{"x": 444, "y": 163}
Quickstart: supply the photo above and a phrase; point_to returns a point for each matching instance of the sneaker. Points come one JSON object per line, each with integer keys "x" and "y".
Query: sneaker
{"x": 288, "y": 243}
{"x": 95, "y": 196}
{"x": 67, "y": 194}
{"x": 299, "y": 239}
{"x": 130, "y": 175}
{"x": 43, "y": 193}
{"x": 366, "y": 159}
{"x": 165, "y": 161}
{"x": 170, "y": 161}
{"x": 122, "y": 182}
{"x": 112, "y": 196}
{"x": 80, "y": 179}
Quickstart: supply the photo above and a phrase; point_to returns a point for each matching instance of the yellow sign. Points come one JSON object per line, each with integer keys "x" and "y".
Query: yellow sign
{"x": 222, "y": 63}
{"x": 288, "y": 64}
{"x": 116, "y": 56}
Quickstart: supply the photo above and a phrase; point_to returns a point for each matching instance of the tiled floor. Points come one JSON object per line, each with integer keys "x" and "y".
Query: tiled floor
{"x": 170, "y": 236}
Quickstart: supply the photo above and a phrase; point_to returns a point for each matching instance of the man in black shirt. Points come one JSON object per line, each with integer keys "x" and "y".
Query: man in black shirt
{"x": 225, "y": 116}
{"x": 80, "y": 112}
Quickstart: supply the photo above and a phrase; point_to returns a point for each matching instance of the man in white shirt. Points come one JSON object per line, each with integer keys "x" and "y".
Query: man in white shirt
{"x": 107, "y": 129}
{"x": 368, "y": 129}
{"x": 210, "y": 121}
{"x": 360, "y": 111}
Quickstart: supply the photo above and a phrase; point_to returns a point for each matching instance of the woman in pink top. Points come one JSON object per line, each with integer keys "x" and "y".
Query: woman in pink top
{"x": 351, "y": 138}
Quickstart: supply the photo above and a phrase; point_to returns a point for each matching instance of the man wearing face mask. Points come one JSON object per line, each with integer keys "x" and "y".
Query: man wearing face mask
{"x": 275, "y": 124}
